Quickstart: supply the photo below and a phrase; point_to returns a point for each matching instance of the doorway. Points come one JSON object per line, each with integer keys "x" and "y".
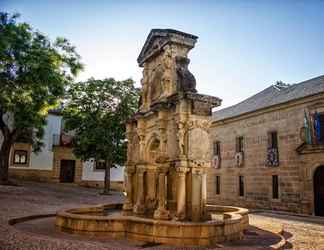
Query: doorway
{"x": 67, "y": 171}
{"x": 319, "y": 191}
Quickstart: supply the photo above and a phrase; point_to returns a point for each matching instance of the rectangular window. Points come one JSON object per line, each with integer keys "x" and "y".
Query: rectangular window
{"x": 241, "y": 185}
{"x": 273, "y": 151}
{"x": 20, "y": 157}
{"x": 275, "y": 187}
{"x": 100, "y": 165}
{"x": 217, "y": 184}
{"x": 273, "y": 140}
{"x": 216, "y": 148}
{"x": 239, "y": 144}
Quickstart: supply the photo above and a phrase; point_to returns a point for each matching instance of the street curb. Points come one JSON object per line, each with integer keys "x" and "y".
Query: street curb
{"x": 14, "y": 221}
{"x": 319, "y": 218}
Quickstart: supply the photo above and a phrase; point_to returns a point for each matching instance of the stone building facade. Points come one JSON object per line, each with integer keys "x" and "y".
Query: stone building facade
{"x": 241, "y": 137}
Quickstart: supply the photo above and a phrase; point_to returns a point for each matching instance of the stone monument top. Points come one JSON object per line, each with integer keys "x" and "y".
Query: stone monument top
{"x": 158, "y": 38}
{"x": 164, "y": 58}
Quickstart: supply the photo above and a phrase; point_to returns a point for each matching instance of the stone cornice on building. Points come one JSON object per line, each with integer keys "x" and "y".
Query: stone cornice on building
{"x": 158, "y": 38}
{"x": 210, "y": 101}
{"x": 310, "y": 148}
{"x": 286, "y": 105}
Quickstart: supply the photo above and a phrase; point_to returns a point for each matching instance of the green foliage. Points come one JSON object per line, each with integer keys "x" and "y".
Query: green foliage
{"x": 97, "y": 111}
{"x": 34, "y": 73}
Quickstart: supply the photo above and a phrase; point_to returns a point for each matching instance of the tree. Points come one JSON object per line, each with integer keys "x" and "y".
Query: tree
{"x": 96, "y": 111}
{"x": 33, "y": 75}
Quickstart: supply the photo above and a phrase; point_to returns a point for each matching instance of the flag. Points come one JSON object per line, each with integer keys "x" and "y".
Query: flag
{"x": 317, "y": 127}
{"x": 311, "y": 121}
{"x": 308, "y": 134}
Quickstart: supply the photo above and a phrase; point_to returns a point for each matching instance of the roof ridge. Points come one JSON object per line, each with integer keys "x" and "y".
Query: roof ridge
{"x": 271, "y": 96}
{"x": 251, "y": 97}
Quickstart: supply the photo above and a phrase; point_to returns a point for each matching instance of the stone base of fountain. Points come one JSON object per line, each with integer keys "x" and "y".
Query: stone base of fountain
{"x": 222, "y": 224}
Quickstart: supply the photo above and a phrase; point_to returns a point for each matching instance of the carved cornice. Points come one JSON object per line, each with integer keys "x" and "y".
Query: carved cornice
{"x": 197, "y": 171}
{"x": 213, "y": 101}
{"x": 158, "y": 38}
{"x": 162, "y": 170}
{"x": 182, "y": 170}
{"x": 198, "y": 163}
{"x": 131, "y": 169}
{"x": 203, "y": 124}
{"x": 141, "y": 169}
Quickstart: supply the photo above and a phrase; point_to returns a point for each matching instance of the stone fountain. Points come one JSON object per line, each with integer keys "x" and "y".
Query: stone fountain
{"x": 167, "y": 159}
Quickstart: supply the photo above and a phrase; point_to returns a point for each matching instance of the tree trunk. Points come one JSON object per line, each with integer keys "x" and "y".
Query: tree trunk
{"x": 4, "y": 162}
{"x": 107, "y": 178}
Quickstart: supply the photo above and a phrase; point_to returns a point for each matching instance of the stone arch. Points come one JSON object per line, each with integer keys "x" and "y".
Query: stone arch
{"x": 152, "y": 148}
{"x": 318, "y": 190}
{"x": 307, "y": 172}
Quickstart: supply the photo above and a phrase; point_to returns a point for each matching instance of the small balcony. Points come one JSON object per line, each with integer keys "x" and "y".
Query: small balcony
{"x": 312, "y": 136}
{"x": 310, "y": 148}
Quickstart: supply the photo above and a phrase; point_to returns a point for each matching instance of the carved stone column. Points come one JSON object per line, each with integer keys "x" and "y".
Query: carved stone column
{"x": 139, "y": 208}
{"x": 163, "y": 123}
{"x": 161, "y": 212}
{"x": 128, "y": 205}
{"x": 198, "y": 194}
{"x": 181, "y": 193}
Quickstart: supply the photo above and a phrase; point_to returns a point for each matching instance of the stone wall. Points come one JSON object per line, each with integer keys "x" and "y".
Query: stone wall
{"x": 295, "y": 171}
{"x": 31, "y": 174}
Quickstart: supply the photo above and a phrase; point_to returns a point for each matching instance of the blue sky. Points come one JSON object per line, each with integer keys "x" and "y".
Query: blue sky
{"x": 243, "y": 46}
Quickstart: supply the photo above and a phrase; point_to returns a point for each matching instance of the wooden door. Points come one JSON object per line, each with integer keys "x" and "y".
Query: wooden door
{"x": 67, "y": 171}
{"x": 319, "y": 191}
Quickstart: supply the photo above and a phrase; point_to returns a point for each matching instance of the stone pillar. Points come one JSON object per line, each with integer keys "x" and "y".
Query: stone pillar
{"x": 129, "y": 137}
{"x": 163, "y": 123}
{"x": 204, "y": 193}
{"x": 181, "y": 192}
{"x": 198, "y": 194}
{"x": 128, "y": 205}
{"x": 139, "y": 208}
{"x": 161, "y": 213}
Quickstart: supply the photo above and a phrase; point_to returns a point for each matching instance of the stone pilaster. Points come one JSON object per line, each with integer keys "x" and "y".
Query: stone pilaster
{"x": 128, "y": 205}
{"x": 198, "y": 194}
{"x": 129, "y": 137}
{"x": 163, "y": 125}
{"x": 139, "y": 208}
{"x": 161, "y": 212}
{"x": 181, "y": 193}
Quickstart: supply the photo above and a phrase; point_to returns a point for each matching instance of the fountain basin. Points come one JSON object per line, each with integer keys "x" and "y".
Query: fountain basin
{"x": 109, "y": 220}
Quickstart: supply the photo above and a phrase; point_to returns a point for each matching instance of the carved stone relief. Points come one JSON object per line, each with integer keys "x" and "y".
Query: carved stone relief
{"x": 186, "y": 81}
{"x": 198, "y": 147}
